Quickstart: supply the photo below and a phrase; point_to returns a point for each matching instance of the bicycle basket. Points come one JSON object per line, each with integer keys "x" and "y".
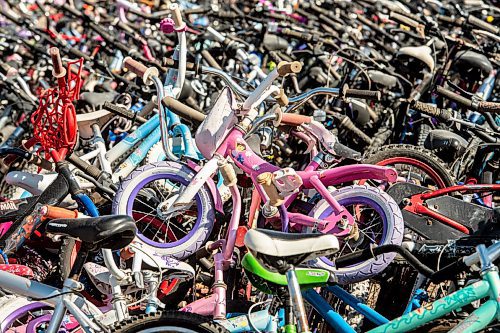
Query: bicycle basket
{"x": 54, "y": 120}
{"x": 217, "y": 125}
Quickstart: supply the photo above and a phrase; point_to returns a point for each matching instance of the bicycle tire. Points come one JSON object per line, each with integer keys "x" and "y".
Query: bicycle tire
{"x": 137, "y": 180}
{"x": 169, "y": 321}
{"x": 415, "y": 156}
{"x": 393, "y": 229}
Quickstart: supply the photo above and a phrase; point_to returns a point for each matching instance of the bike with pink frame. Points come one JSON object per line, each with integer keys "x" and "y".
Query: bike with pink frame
{"x": 220, "y": 138}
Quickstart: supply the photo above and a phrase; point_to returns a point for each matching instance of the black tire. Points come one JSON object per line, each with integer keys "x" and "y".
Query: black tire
{"x": 423, "y": 133}
{"x": 169, "y": 321}
{"x": 415, "y": 153}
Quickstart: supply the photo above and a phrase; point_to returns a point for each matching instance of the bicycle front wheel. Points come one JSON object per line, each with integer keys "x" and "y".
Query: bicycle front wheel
{"x": 170, "y": 321}
{"x": 147, "y": 193}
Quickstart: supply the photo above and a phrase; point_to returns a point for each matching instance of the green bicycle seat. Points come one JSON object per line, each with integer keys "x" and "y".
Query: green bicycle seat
{"x": 270, "y": 282}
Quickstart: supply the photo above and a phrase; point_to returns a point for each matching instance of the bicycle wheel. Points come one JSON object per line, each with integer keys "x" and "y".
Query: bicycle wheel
{"x": 18, "y": 314}
{"x": 169, "y": 321}
{"x": 379, "y": 221}
{"x": 147, "y": 193}
{"x": 414, "y": 163}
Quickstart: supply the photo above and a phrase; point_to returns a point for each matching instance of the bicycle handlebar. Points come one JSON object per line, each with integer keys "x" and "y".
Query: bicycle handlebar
{"x": 176, "y": 15}
{"x": 468, "y": 103}
{"x": 183, "y": 110}
{"x": 122, "y": 112}
{"x": 477, "y": 22}
{"x": 32, "y": 158}
{"x": 431, "y": 110}
{"x": 286, "y": 67}
{"x": 488, "y": 107}
{"x": 145, "y": 73}
{"x": 446, "y": 273}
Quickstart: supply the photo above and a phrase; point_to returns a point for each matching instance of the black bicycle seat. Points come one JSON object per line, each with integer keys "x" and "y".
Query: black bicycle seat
{"x": 109, "y": 232}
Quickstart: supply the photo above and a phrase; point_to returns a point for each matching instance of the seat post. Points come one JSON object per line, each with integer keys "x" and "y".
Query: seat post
{"x": 80, "y": 260}
{"x": 297, "y": 301}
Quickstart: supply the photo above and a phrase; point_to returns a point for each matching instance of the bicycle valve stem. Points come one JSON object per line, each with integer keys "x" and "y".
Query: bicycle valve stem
{"x": 59, "y": 71}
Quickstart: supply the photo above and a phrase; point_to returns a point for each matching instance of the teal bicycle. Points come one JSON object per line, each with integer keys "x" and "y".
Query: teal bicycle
{"x": 271, "y": 266}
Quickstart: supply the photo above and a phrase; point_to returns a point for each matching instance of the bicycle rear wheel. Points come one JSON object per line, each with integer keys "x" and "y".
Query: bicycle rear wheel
{"x": 379, "y": 222}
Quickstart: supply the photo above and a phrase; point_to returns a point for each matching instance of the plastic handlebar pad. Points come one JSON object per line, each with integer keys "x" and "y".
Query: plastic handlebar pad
{"x": 432, "y": 110}
{"x": 488, "y": 107}
{"x": 285, "y": 67}
{"x": 454, "y": 97}
{"x": 365, "y": 94}
{"x": 183, "y": 110}
{"x": 134, "y": 66}
{"x": 483, "y": 25}
{"x": 294, "y": 119}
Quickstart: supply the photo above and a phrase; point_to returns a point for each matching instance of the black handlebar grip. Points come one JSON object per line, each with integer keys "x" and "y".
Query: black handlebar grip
{"x": 488, "y": 107}
{"x": 477, "y": 22}
{"x": 432, "y": 110}
{"x": 183, "y": 110}
{"x": 449, "y": 272}
{"x": 122, "y": 112}
{"x": 72, "y": 10}
{"x": 364, "y": 94}
{"x": 454, "y": 97}
{"x": 91, "y": 170}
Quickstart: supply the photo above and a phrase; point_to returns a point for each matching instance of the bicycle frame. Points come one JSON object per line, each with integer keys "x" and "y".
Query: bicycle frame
{"x": 62, "y": 300}
{"x": 479, "y": 319}
{"x": 418, "y": 205}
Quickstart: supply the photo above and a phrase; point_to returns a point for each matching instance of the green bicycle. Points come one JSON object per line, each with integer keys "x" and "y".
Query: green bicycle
{"x": 271, "y": 267}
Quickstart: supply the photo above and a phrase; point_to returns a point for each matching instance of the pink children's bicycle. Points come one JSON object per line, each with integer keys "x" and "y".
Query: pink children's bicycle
{"x": 359, "y": 215}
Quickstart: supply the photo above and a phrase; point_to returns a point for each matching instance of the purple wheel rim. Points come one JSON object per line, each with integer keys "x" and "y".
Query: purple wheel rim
{"x": 130, "y": 204}
{"x": 356, "y": 200}
{"x": 21, "y": 312}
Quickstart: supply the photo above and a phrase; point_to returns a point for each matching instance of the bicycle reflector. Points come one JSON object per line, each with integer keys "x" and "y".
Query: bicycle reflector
{"x": 54, "y": 120}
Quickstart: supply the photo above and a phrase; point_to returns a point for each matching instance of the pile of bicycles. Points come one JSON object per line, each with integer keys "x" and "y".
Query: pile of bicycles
{"x": 252, "y": 166}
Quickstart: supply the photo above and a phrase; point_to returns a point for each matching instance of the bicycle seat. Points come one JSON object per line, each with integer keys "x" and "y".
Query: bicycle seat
{"x": 277, "y": 249}
{"x": 473, "y": 59}
{"x": 109, "y": 232}
{"x": 86, "y": 120}
{"x": 384, "y": 79}
{"x": 422, "y": 53}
